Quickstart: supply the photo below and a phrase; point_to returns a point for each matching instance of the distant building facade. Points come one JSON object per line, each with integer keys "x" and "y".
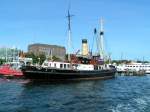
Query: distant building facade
{"x": 9, "y": 54}
{"x": 48, "y": 50}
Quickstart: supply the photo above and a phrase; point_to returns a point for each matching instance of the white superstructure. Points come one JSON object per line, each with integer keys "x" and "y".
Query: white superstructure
{"x": 64, "y": 65}
{"x": 85, "y": 67}
{"x": 57, "y": 65}
{"x": 134, "y": 67}
{"x": 74, "y": 66}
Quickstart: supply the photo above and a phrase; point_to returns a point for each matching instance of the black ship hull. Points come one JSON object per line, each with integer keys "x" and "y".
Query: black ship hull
{"x": 61, "y": 75}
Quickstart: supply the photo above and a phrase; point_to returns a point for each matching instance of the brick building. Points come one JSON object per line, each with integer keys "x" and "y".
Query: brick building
{"x": 48, "y": 50}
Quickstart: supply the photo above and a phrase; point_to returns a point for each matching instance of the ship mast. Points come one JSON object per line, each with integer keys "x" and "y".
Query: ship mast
{"x": 69, "y": 35}
{"x": 101, "y": 39}
{"x": 6, "y": 53}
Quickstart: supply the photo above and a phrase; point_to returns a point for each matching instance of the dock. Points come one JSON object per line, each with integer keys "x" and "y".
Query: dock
{"x": 132, "y": 73}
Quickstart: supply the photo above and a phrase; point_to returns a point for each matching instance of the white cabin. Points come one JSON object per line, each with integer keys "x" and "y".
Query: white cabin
{"x": 58, "y": 65}
{"x": 64, "y": 65}
{"x": 85, "y": 67}
{"x": 74, "y": 66}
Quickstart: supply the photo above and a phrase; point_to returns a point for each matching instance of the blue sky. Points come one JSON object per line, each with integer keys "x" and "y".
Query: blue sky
{"x": 127, "y": 24}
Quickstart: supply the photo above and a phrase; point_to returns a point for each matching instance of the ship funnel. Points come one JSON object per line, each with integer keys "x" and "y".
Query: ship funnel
{"x": 84, "y": 47}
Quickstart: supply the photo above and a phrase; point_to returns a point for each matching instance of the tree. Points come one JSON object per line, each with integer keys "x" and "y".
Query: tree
{"x": 55, "y": 58}
{"x": 34, "y": 57}
{"x": 41, "y": 58}
{"x": 2, "y": 61}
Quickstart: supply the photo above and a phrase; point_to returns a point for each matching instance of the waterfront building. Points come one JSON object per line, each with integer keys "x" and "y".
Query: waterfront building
{"x": 9, "y": 54}
{"x": 48, "y": 50}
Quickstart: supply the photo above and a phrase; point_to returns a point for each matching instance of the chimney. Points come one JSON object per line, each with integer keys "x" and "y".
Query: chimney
{"x": 84, "y": 47}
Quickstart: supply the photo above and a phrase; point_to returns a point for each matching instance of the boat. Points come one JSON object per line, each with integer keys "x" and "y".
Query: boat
{"x": 12, "y": 69}
{"x": 134, "y": 67}
{"x": 60, "y": 71}
{"x": 77, "y": 67}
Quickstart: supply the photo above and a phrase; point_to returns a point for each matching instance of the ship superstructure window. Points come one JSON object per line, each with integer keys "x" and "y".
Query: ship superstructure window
{"x": 61, "y": 65}
{"x": 99, "y": 68}
{"x": 64, "y": 65}
{"x": 68, "y": 65}
{"x": 54, "y": 64}
{"x": 45, "y": 64}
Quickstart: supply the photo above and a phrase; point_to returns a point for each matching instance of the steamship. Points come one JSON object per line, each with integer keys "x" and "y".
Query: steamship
{"x": 78, "y": 67}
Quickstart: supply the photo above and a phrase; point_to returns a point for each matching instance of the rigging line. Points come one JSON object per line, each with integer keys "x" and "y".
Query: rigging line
{"x": 95, "y": 31}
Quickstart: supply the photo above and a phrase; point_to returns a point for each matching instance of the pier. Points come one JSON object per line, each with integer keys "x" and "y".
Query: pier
{"x": 132, "y": 73}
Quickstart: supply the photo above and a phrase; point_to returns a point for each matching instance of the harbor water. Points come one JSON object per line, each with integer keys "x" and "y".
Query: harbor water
{"x": 120, "y": 94}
